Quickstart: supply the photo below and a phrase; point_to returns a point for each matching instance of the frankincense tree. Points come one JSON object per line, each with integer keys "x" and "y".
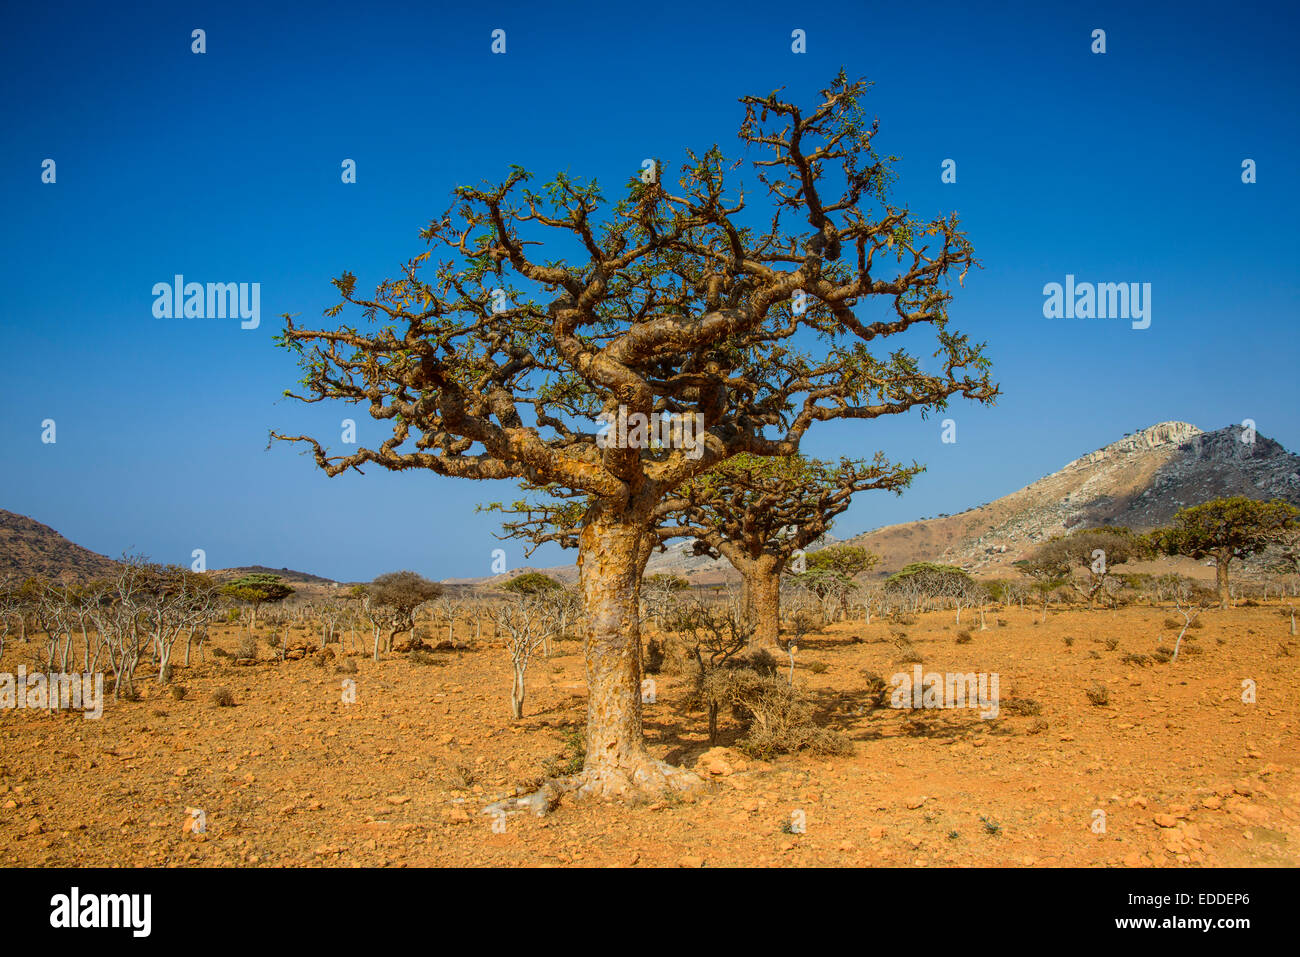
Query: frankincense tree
{"x": 757, "y": 512}
{"x": 547, "y": 310}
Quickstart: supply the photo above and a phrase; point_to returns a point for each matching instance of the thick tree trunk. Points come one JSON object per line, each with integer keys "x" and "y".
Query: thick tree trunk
{"x": 764, "y": 588}
{"x": 517, "y": 695}
{"x": 617, "y": 762}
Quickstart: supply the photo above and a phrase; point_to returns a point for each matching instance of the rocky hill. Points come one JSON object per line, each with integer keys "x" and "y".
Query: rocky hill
{"x": 30, "y": 549}
{"x": 287, "y": 574}
{"x": 1138, "y": 482}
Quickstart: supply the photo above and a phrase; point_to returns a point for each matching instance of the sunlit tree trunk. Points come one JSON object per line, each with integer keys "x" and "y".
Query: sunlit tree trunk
{"x": 763, "y": 588}
{"x": 609, "y": 556}
{"x": 610, "y": 564}
{"x": 1221, "y": 578}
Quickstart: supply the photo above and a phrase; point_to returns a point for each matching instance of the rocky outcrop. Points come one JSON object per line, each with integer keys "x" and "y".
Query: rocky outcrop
{"x": 1138, "y": 482}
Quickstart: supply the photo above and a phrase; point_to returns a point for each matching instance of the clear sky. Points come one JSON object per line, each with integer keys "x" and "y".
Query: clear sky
{"x": 225, "y": 167}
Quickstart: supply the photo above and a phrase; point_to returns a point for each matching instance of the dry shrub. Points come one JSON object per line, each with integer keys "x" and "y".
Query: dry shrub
{"x": 964, "y": 638}
{"x": 1173, "y": 623}
{"x": 1112, "y": 644}
{"x": 1002, "y": 623}
{"x": 776, "y": 718}
{"x": 1020, "y": 706}
{"x": 910, "y": 657}
{"x": 1140, "y": 660}
{"x": 223, "y": 698}
{"x": 421, "y": 657}
{"x": 1038, "y": 726}
{"x": 1098, "y": 694}
{"x": 818, "y": 667}
{"x": 179, "y": 692}
{"x": 763, "y": 662}
{"x": 1163, "y": 654}
{"x": 347, "y": 667}
{"x": 876, "y": 689}
{"x": 676, "y": 660}
{"x": 460, "y": 776}
{"x": 247, "y": 647}
{"x": 654, "y": 656}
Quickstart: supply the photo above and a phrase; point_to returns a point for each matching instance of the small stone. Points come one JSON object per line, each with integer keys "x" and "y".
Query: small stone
{"x": 715, "y": 761}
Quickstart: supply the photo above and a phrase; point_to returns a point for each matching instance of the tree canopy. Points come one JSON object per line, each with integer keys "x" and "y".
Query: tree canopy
{"x": 1227, "y": 529}
{"x": 531, "y": 583}
{"x": 257, "y": 589}
{"x": 539, "y": 313}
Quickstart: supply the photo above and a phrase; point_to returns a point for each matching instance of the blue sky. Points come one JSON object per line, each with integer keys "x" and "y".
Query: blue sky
{"x": 226, "y": 167}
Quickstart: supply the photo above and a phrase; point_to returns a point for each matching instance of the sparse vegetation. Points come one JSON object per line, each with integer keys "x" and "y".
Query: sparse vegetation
{"x": 775, "y": 718}
{"x": 223, "y": 698}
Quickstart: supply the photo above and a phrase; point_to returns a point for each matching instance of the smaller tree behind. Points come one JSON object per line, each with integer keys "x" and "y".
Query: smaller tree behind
{"x": 401, "y": 593}
{"x": 1096, "y": 550}
{"x": 829, "y": 574}
{"x": 257, "y": 589}
{"x": 1226, "y": 529}
{"x": 531, "y": 583}
{"x": 525, "y": 621}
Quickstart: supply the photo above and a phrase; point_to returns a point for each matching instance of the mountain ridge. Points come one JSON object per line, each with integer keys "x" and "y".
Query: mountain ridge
{"x": 1138, "y": 481}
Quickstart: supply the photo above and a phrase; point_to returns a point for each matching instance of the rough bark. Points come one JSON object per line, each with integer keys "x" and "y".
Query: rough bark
{"x": 1221, "y": 578}
{"x": 763, "y": 593}
{"x": 617, "y": 762}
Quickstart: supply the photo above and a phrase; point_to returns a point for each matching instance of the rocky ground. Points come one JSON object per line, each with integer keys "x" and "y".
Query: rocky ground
{"x": 1184, "y": 772}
